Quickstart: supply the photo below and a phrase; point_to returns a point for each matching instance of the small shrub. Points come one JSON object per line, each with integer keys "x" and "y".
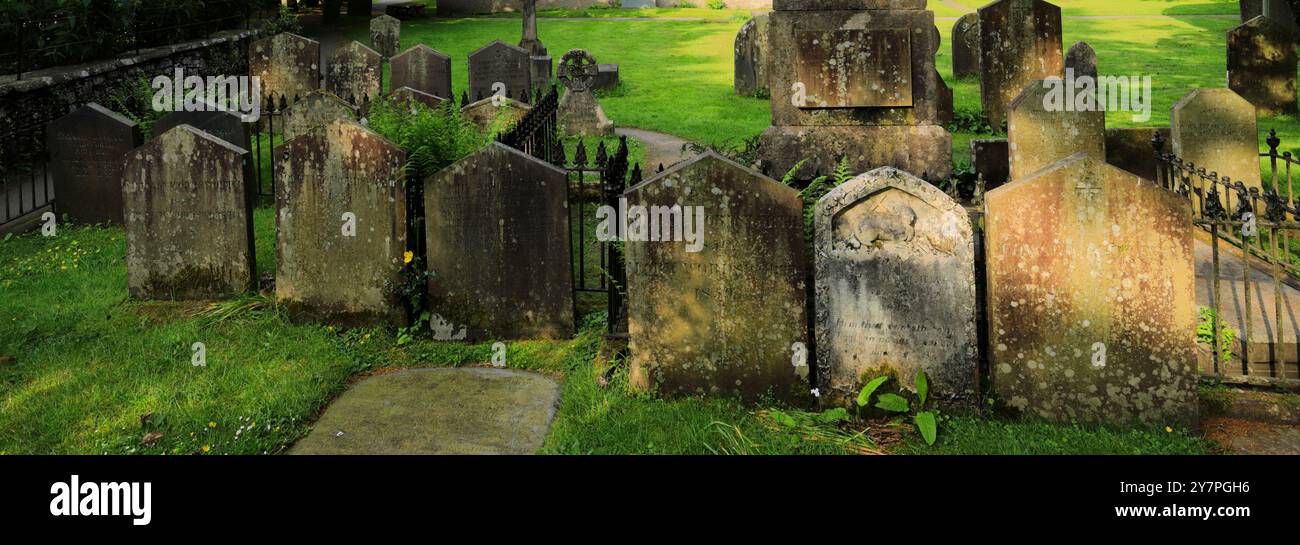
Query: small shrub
{"x": 717, "y": 4}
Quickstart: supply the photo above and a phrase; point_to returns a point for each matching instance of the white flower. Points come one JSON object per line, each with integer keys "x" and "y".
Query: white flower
{"x": 816, "y": 392}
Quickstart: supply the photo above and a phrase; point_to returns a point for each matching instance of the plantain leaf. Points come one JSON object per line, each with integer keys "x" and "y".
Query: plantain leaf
{"x": 864, "y": 396}
{"x": 922, "y": 387}
{"x": 925, "y": 423}
{"x": 893, "y": 403}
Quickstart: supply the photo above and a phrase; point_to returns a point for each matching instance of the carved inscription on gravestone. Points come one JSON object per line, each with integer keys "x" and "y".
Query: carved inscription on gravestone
{"x": 853, "y": 68}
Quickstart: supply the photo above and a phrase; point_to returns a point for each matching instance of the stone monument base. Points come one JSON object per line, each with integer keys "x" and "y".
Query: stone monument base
{"x": 580, "y": 113}
{"x": 924, "y": 151}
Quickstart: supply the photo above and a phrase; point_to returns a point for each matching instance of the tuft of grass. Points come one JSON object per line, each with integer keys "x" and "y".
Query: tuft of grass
{"x": 975, "y": 435}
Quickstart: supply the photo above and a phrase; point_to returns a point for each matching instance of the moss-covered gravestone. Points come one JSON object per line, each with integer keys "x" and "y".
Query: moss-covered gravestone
{"x": 491, "y": 114}
{"x": 1215, "y": 129}
{"x": 225, "y": 125}
{"x": 86, "y": 149}
{"x": 341, "y": 225}
{"x": 497, "y": 232}
{"x": 1262, "y": 64}
{"x": 500, "y": 68}
{"x": 354, "y": 72}
{"x": 1041, "y": 130}
{"x": 318, "y": 108}
{"x": 751, "y": 57}
{"x": 386, "y": 35}
{"x": 407, "y": 97}
{"x": 189, "y": 218}
{"x": 721, "y": 313}
{"x": 966, "y": 46}
{"x": 288, "y": 65}
{"x": 1091, "y": 297}
{"x": 424, "y": 69}
{"x": 895, "y": 288}
{"x": 1020, "y": 41}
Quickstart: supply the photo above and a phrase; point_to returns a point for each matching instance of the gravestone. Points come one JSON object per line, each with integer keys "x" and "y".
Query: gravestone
{"x": 579, "y": 111}
{"x": 85, "y": 160}
{"x": 499, "y": 67}
{"x": 606, "y": 77}
{"x": 488, "y": 113}
{"x": 188, "y": 218}
{"x": 424, "y": 69}
{"x": 991, "y": 160}
{"x": 1082, "y": 60}
{"x": 341, "y": 225}
{"x": 751, "y": 57}
{"x": 354, "y": 73}
{"x": 1262, "y": 65}
{"x": 288, "y": 65}
{"x": 320, "y": 107}
{"x": 1091, "y": 301}
{"x": 1278, "y": 10}
{"x": 724, "y": 319}
{"x": 539, "y": 61}
{"x": 1038, "y": 136}
{"x": 1130, "y": 149}
{"x": 407, "y": 95}
{"x": 226, "y": 126}
{"x": 895, "y": 288}
{"x": 966, "y": 46}
{"x": 848, "y": 79}
{"x": 487, "y": 214}
{"x": 386, "y": 35}
{"x": 1020, "y": 42}
{"x": 1215, "y": 129}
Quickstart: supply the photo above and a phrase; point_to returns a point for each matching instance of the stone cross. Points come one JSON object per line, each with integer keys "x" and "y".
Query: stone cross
{"x": 530, "y": 41}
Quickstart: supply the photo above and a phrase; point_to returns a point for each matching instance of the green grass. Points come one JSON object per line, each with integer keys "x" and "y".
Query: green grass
{"x": 970, "y": 435}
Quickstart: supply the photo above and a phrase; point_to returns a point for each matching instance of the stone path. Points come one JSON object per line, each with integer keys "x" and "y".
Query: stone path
{"x": 1267, "y": 341}
{"x": 660, "y": 148}
{"x": 438, "y": 411}
{"x": 1238, "y": 436}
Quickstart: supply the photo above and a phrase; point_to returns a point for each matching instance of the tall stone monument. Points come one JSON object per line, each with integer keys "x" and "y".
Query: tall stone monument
{"x": 539, "y": 59}
{"x": 1020, "y": 41}
{"x": 856, "y": 79}
{"x": 579, "y": 112}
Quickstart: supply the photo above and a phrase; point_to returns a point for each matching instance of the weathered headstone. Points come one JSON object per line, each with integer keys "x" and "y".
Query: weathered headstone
{"x": 1278, "y": 10}
{"x": 188, "y": 218}
{"x": 726, "y": 318}
{"x": 1020, "y": 41}
{"x": 1262, "y": 65}
{"x": 341, "y": 225}
{"x": 224, "y": 125}
{"x": 966, "y": 46}
{"x": 488, "y": 114}
{"x": 751, "y": 57}
{"x": 320, "y": 107}
{"x": 606, "y": 77}
{"x": 579, "y": 111}
{"x": 1131, "y": 150}
{"x": 895, "y": 288}
{"x": 1215, "y": 129}
{"x": 423, "y": 69}
{"x": 407, "y": 95}
{"x": 1091, "y": 301}
{"x": 499, "y": 67}
{"x": 386, "y": 35}
{"x": 991, "y": 160}
{"x": 354, "y": 73}
{"x": 85, "y": 159}
{"x": 486, "y": 215}
{"x": 1040, "y": 130}
{"x": 288, "y": 65}
{"x": 1082, "y": 60}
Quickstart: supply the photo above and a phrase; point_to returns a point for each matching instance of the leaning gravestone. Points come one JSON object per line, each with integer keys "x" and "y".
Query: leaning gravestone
{"x": 1262, "y": 65}
{"x": 354, "y": 73}
{"x": 1215, "y": 129}
{"x": 85, "y": 157}
{"x": 424, "y": 69}
{"x": 1040, "y": 131}
{"x": 579, "y": 111}
{"x": 751, "y": 57}
{"x": 386, "y": 35}
{"x": 1091, "y": 297}
{"x": 1081, "y": 60}
{"x": 341, "y": 225}
{"x": 486, "y": 214}
{"x": 729, "y": 317}
{"x": 1131, "y": 149}
{"x": 320, "y": 107}
{"x": 499, "y": 68}
{"x": 288, "y": 65}
{"x": 189, "y": 218}
{"x": 966, "y": 46}
{"x": 895, "y": 288}
{"x": 1020, "y": 41}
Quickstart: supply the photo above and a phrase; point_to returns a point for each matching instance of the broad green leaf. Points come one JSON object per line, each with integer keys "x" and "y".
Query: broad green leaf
{"x": 925, "y": 423}
{"x": 922, "y": 387}
{"x": 892, "y": 403}
{"x": 865, "y": 395}
{"x": 782, "y": 418}
{"x": 832, "y": 416}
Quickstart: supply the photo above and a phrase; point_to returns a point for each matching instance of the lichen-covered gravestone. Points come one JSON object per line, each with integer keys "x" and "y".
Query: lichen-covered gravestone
{"x": 966, "y": 46}
{"x": 1131, "y": 150}
{"x": 86, "y": 149}
{"x": 1262, "y": 65}
{"x": 499, "y": 68}
{"x": 1081, "y": 60}
{"x": 318, "y": 108}
{"x": 498, "y": 247}
{"x": 386, "y": 35}
{"x": 341, "y": 225}
{"x": 579, "y": 111}
{"x": 189, "y": 218}
{"x": 1040, "y": 130}
{"x": 1278, "y": 10}
{"x": 721, "y": 312}
{"x": 288, "y": 65}
{"x": 224, "y": 125}
{"x": 409, "y": 96}
{"x": 424, "y": 69}
{"x": 1091, "y": 301}
{"x": 489, "y": 112}
{"x": 895, "y": 288}
{"x": 354, "y": 73}
{"x": 1215, "y": 129}
{"x": 1020, "y": 41}
{"x": 751, "y": 57}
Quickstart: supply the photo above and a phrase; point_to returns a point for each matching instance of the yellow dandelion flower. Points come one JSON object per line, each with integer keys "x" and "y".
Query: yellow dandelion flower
{"x": 1168, "y": 429}
{"x": 206, "y": 448}
{"x": 407, "y": 257}
{"x": 212, "y": 424}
